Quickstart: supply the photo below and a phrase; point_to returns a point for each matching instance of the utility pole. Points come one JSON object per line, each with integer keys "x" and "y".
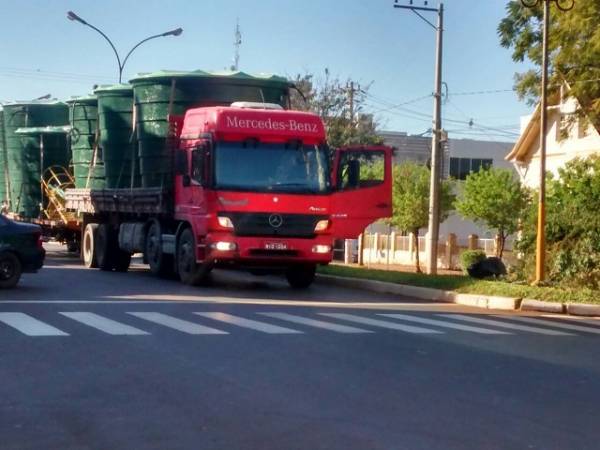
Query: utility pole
{"x": 237, "y": 43}
{"x": 351, "y": 90}
{"x": 540, "y": 255}
{"x": 436, "y": 154}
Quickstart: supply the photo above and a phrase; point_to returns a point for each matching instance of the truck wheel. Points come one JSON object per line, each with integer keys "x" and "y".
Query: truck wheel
{"x": 301, "y": 277}
{"x": 10, "y": 270}
{"x": 160, "y": 263}
{"x": 122, "y": 260}
{"x": 105, "y": 247}
{"x": 89, "y": 246}
{"x": 190, "y": 272}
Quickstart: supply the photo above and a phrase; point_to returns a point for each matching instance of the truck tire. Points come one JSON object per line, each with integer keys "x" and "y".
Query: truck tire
{"x": 301, "y": 277}
{"x": 10, "y": 270}
{"x": 88, "y": 245}
{"x": 122, "y": 260}
{"x": 105, "y": 254}
{"x": 160, "y": 263}
{"x": 190, "y": 272}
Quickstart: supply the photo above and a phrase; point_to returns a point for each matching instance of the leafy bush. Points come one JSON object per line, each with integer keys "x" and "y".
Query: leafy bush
{"x": 470, "y": 257}
{"x": 572, "y": 226}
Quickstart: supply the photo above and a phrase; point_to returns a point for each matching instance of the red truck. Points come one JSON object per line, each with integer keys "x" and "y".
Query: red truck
{"x": 254, "y": 187}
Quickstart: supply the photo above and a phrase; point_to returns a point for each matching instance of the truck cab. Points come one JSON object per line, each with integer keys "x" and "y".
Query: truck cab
{"x": 256, "y": 187}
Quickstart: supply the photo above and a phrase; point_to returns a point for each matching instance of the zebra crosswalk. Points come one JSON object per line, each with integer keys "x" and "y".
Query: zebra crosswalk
{"x": 146, "y": 323}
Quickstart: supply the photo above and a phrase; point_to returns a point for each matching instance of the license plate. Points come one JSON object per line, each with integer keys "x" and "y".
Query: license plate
{"x": 276, "y": 246}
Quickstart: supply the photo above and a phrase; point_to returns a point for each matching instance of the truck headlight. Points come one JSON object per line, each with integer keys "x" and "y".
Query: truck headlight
{"x": 223, "y": 246}
{"x": 321, "y": 248}
{"x": 322, "y": 225}
{"x": 225, "y": 222}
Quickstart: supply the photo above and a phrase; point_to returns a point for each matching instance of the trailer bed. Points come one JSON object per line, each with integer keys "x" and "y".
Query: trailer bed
{"x": 132, "y": 201}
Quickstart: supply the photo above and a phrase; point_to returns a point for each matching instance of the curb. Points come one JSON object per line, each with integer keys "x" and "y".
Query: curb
{"x": 582, "y": 309}
{"x": 529, "y": 304}
{"x": 381, "y": 287}
{"x": 474, "y": 300}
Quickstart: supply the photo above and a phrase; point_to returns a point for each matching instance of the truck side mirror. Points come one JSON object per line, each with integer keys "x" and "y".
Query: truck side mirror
{"x": 354, "y": 173}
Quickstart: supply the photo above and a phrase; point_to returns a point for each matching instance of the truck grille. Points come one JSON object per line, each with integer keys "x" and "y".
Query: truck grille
{"x": 275, "y": 224}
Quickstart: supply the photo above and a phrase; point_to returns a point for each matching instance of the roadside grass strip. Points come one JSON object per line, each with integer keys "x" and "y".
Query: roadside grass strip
{"x": 444, "y": 324}
{"x": 503, "y": 324}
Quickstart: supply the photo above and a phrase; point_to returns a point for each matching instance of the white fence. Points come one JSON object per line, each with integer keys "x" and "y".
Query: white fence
{"x": 402, "y": 250}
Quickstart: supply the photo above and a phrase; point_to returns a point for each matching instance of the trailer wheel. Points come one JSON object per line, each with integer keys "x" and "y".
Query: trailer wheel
{"x": 105, "y": 247}
{"x": 10, "y": 270}
{"x": 190, "y": 272}
{"x": 89, "y": 246}
{"x": 160, "y": 263}
{"x": 301, "y": 277}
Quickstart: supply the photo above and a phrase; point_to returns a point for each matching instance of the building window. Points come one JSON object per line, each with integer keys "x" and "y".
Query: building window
{"x": 460, "y": 168}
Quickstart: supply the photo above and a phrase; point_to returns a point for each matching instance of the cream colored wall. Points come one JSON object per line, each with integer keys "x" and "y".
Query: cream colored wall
{"x": 580, "y": 142}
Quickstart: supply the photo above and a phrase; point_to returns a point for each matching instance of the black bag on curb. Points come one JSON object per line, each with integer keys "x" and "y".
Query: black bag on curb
{"x": 489, "y": 267}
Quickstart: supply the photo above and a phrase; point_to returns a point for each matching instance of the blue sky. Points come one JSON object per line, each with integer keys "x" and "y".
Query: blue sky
{"x": 391, "y": 50}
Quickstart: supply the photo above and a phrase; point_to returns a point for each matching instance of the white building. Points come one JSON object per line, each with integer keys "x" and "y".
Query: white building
{"x": 567, "y": 137}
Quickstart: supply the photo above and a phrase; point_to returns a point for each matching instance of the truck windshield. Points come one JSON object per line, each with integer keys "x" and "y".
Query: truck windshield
{"x": 264, "y": 167}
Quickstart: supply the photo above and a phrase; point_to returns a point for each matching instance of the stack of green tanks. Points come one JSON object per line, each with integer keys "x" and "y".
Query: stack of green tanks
{"x": 88, "y": 167}
{"x": 23, "y": 150}
{"x": 119, "y": 136}
{"x": 160, "y": 94}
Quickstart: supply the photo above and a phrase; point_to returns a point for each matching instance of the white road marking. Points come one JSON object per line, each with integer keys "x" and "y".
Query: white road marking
{"x": 248, "y": 323}
{"x": 28, "y": 325}
{"x": 442, "y": 323}
{"x": 587, "y": 320}
{"x": 502, "y": 324}
{"x": 382, "y": 323}
{"x": 176, "y": 324}
{"x": 103, "y": 324}
{"x": 315, "y": 323}
{"x": 555, "y": 324}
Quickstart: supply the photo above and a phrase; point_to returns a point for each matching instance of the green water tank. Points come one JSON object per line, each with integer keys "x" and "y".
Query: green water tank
{"x": 52, "y": 150}
{"x": 23, "y": 152}
{"x": 162, "y": 93}
{"x": 88, "y": 167}
{"x": 4, "y": 182}
{"x": 117, "y": 141}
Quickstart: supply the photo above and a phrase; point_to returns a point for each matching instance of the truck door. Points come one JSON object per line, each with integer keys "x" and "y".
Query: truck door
{"x": 362, "y": 180}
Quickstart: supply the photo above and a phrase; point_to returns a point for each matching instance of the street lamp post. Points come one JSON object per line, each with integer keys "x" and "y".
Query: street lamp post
{"x": 540, "y": 260}
{"x": 74, "y": 17}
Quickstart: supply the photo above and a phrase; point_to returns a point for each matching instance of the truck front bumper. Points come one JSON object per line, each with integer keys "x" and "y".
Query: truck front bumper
{"x": 264, "y": 250}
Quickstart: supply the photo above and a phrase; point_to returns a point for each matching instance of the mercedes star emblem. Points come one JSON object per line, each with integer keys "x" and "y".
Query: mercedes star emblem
{"x": 275, "y": 220}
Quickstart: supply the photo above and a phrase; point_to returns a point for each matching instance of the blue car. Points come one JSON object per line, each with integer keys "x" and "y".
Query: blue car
{"x": 21, "y": 250}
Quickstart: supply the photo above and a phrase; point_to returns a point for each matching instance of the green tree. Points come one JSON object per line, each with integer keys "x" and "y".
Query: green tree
{"x": 330, "y": 98}
{"x": 572, "y": 225}
{"x": 411, "y": 200}
{"x": 574, "y": 48}
{"x": 495, "y": 198}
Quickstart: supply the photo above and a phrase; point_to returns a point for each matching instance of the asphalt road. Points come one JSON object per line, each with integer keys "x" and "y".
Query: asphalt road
{"x": 93, "y": 360}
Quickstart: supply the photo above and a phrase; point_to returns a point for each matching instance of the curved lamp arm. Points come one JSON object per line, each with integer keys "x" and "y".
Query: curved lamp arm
{"x": 72, "y": 16}
{"x": 175, "y": 32}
